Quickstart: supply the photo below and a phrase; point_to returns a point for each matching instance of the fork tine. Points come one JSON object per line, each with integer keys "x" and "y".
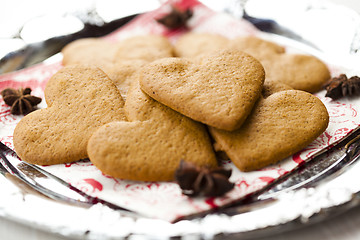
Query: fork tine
{"x": 3, "y": 147}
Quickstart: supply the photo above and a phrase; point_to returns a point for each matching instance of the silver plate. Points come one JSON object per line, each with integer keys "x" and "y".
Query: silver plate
{"x": 291, "y": 209}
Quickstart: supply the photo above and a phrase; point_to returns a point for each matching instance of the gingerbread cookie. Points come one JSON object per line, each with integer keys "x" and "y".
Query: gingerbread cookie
{"x": 219, "y": 89}
{"x": 90, "y": 51}
{"x": 279, "y": 126}
{"x": 194, "y": 44}
{"x": 271, "y": 87}
{"x": 151, "y": 147}
{"x": 146, "y": 47}
{"x": 123, "y": 73}
{"x": 80, "y": 99}
{"x": 302, "y": 72}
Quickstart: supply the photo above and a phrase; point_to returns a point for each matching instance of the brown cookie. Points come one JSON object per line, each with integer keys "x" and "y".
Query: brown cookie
{"x": 219, "y": 89}
{"x": 279, "y": 126}
{"x": 194, "y": 44}
{"x": 123, "y": 73}
{"x": 146, "y": 47}
{"x": 259, "y": 48}
{"x": 302, "y": 72}
{"x": 90, "y": 51}
{"x": 80, "y": 99}
{"x": 271, "y": 87}
{"x": 151, "y": 147}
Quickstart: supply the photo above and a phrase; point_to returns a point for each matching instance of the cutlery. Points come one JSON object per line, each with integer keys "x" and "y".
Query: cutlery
{"x": 328, "y": 164}
{"x": 323, "y": 168}
{"x": 45, "y": 182}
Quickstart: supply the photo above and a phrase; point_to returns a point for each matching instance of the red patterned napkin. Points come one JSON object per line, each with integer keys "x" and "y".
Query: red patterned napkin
{"x": 164, "y": 200}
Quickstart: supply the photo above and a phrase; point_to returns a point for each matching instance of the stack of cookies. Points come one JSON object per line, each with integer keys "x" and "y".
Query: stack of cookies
{"x": 137, "y": 107}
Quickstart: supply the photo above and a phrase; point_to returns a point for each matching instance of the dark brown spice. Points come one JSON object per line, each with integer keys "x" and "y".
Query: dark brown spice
{"x": 176, "y": 18}
{"x": 20, "y": 100}
{"x": 342, "y": 86}
{"x": 195, "y": 181}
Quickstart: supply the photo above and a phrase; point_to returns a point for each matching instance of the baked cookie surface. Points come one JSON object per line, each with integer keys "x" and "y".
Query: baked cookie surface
{"x": 150, "y": 147}
{"x": 301, "y": 72}
{"x": 89, "y": 51}
{"x": 123, "y": 73}
{"x": 194, "y": 44}
{"x": 271, "y": 87}
{"x": 80, "y": 99}
{"x": 144, "y": 47}
{"x": 219, "y": 89}
{"x": 279, "y": 126}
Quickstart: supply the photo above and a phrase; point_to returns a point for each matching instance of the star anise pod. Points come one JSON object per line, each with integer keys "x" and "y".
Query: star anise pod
{"x": 342, "y": 86}
{"x": 20, "y": 100}
{"x": 176, "y": 18}
{"x": 196, "y": 181}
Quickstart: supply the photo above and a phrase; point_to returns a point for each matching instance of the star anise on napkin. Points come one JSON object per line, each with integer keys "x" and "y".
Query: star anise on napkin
{"x": 195, "y": 181}
{"x": 176, "y": 18}
{"x": 342, "y": 86}
{"x": 20, "y": 100}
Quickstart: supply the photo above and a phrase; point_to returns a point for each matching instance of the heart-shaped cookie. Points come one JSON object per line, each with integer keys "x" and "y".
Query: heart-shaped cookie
{"x": 219, "y": 89}
{"x": 80, "y": 99}
{"x": 301, "y": 72}
{"x": 271, "y": 87}
{"x": 193, "y": 44}
{"x": 151, "y": 147}
{"x": 143, "y": 47}
{"x": 122, "y": 73}
{"x": 278, "y": 127}
{"x": 92, "y": 51}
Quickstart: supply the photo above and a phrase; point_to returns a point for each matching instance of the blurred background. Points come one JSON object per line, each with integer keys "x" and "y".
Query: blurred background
{"x": 25, "y": 22}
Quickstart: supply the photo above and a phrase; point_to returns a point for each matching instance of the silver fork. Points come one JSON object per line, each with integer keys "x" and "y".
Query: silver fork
{"x": 45, "y": 182}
